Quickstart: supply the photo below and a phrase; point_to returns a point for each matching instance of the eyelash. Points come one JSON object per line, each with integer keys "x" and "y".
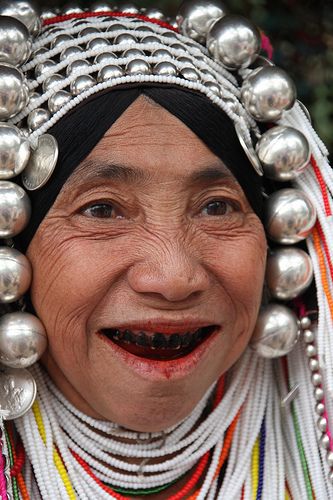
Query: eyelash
{"x": 109, "y": 209}
{"x": 107, "y": 206}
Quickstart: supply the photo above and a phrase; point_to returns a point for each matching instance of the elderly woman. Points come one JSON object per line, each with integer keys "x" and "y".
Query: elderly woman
{"x": 168, "y": 373}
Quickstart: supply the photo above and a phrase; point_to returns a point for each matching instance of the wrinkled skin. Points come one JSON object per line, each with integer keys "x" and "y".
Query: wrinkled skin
{"x": 118, "y": 247}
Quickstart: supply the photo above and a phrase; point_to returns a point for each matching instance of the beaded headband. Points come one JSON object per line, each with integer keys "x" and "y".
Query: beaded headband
{"x": 48, "y": 67}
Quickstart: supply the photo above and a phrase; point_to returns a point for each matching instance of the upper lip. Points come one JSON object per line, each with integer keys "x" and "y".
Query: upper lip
{"x": 163, "y": 326}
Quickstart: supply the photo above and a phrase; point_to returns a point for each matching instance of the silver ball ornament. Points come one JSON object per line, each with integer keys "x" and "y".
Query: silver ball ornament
{"x": 23, "y": 11}
{"x": 15, "y": 275}
{"x": 289, "y": 216}
{"x": 71, "y": 8}
{"x": 77, "y": 66}
{"x": 165, "y": 68}
{"x": 133, "y": 53}
{"x": 150, "y": 39}
{"x": 110, "y": 72}
{"x": 234, "y": 41}
{"x": 88, "y": 31}
{"x": 58, "y": 100}
{"x": 162, "y": 53}
{"x": 14, "y": 151}
{"x": 60, "y": 40}
{"x": 137, "y": 67}
{"x": 14, "y": 91}
{"x": 195, "y": 17}
{"x": 189, "y": 74}
{"x": 97, "y": 43}
{"x": 289, "y": 272}
{"x": 155, "y": 14}
{"x": 52, "y": 81}
{"x": 276, "y": 332}
{"x": 22, "y": 339}
{"x": 70, "y": 52}
{"x": 283, "y": 152}
{"x": 15, "y": 209}
{"x": 267, "y": 92}
{"x": 15, "y": 41}
{"x": 125, "y": 38}
{"x": 100, "y": 7}
{"x": 81, "y": 84}
{"x": 44, "y": 67}
{"x": 105, "y": 58}
{"x": 37, "y": 118}
{"x": 129, "y": 8}
{"x": 213, "y": 87}
{"x": 322, "y": 424}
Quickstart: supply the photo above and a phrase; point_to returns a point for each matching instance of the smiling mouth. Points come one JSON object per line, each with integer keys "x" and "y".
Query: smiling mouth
{"x": 159, "y": 346}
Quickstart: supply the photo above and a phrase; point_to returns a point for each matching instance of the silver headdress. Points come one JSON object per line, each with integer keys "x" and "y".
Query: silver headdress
{"x": 51, "y": 64}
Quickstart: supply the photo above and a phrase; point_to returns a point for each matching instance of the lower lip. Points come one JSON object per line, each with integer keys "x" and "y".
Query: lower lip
{"x": 157, "y": 370}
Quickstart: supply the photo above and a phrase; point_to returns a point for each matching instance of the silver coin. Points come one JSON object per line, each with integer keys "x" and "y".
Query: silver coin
{"x": 41, "y": 164}
{"x": 17, "y": 392}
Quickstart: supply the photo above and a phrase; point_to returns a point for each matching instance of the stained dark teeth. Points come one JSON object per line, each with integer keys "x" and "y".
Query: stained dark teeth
{"x": 127, "y": 336}
{"x": 174, "y": 341}
{"x": 141, "y": 340}
{"x": 116, "y": 334}
{"x": 163, "y": 344}
{"x": 159, "y": 341}
{"x": 187, "y": 339}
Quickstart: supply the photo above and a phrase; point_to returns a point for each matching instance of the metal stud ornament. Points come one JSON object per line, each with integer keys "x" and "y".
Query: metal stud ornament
{"x": 276, "y": 332}
{"x": 195, "y": 18}
{"x": 14, "y": 151}
{"x": 289, "y": 216}
{"x": 14, "y": 91}
{"x": 22, "y": 339}
{"x": 283, "y": 152}
{"x": 15, "y": 41}
{"x": 15, "y": 275}
{"x": 267, "y": 92}
{"x": 22, "y": 11}
{"x": 234, "y": 41}
{"x": 289, "y": 272}
{"x": 15, "y": 209}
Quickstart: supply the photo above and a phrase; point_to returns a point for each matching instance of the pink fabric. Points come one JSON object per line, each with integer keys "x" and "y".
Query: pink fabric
{"x": 266, "y": 45}
{"x": 3, "y": 483}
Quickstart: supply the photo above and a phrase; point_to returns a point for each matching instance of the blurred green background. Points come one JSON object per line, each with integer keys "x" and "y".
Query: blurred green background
{"x": 301, "y": 33}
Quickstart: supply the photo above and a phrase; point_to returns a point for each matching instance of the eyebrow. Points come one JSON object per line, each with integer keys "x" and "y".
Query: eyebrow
{"x": 92, "y": 170}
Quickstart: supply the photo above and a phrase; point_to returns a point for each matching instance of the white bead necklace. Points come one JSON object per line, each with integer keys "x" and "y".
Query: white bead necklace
{"x": 249, "y": 377}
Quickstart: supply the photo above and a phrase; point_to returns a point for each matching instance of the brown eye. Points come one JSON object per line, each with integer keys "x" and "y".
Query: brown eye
{"x": 100, "y": 211}
{"x": 217, "y": 207}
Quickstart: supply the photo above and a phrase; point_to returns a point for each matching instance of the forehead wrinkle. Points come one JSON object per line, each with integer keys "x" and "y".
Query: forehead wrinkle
{"x": 96, "y": 169}
{"x": 213, "y": 173}
{"x": 91, "y": 170}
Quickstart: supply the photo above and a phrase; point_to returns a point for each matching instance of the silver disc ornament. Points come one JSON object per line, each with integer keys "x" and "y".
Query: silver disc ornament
{"x": 41, "y": 164}
{"x": 14, "y": 151}
{"x": 17, "y": 392}
{"x": 15, "y": 209}
{"x": 276, "y": 332}
{"x": 15, "y": 41}
{"x": 289, "y": 216}
{"x": 195, "y": 17}
{"x": 22, "y": 339}
{"x": 234, "y": 41}
{"x": 15, "y": 275}
{"x": 289, "y": 272}
{"x": 267, "y": 92}
{"x": 283, "y": 152}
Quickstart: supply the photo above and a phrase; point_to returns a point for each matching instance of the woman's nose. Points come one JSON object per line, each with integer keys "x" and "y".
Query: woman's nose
{"x": 172, "y": 273}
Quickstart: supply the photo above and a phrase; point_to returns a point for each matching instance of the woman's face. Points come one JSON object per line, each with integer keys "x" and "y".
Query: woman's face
{"x": 150, "y": 234}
